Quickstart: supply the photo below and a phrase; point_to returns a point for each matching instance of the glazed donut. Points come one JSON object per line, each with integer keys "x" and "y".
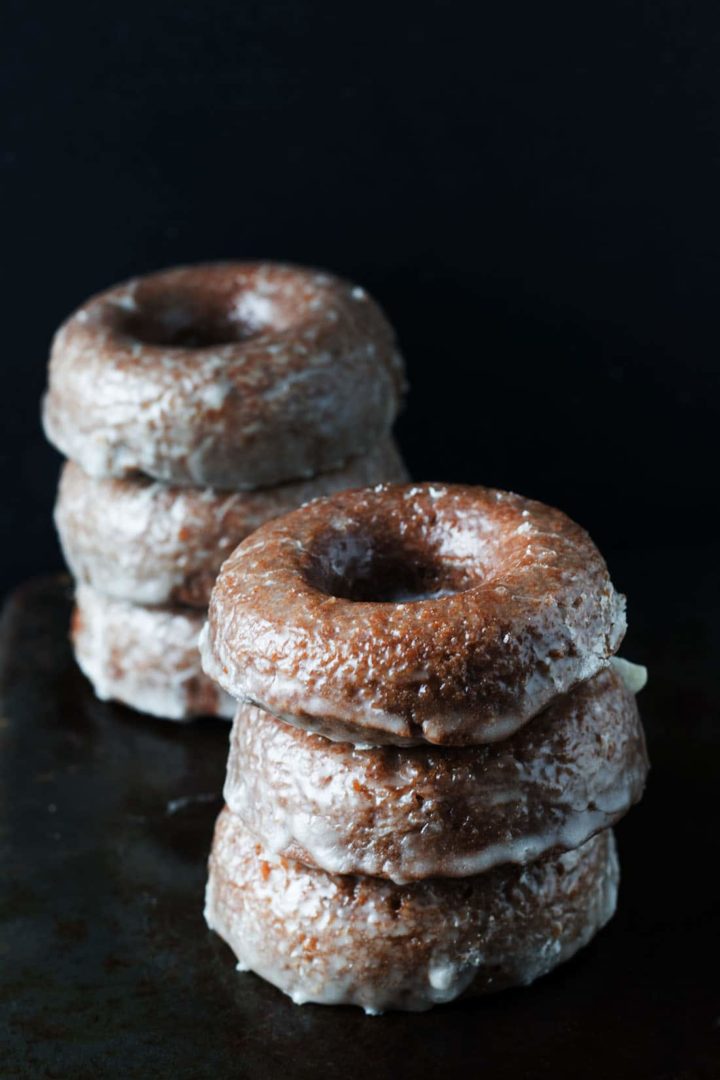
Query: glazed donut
{"x": 144, "y": 657}
{"x": 439, "y": 613}
{"x": 336, "y": 939}
{"x": 232, "y": 375}
{"x": 148, "y": 543}
{"x": 418, "y": 812}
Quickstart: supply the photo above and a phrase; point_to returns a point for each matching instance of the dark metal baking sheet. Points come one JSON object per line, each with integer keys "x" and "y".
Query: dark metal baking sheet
{"x": 107, "y": 969}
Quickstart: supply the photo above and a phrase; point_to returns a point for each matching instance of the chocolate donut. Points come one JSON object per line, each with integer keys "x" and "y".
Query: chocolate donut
{"x": 416, "y": 812}
{"x": 144, "y": 657}
{"x": 142, "y": 541}
{"x": 232, "y": 375}
{"x": 402, "y": 614}
{"x": 336, "y": 939}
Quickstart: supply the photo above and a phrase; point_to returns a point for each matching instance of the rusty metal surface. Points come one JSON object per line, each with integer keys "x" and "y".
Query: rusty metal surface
{"x": 107, "y": 969}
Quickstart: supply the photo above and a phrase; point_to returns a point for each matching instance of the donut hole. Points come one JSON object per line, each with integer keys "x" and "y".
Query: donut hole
{"x": 188, "y": 319}
{"x": 204, "y": 307}
{"x": 394, "y": 571}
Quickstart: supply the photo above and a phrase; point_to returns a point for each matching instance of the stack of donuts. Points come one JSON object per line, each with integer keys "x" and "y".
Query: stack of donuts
{"x": 195, "y": 404}
{"x": 432, "y": 743}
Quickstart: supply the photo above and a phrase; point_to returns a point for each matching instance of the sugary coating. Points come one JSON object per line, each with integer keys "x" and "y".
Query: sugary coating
{"x": 402, "y": 614}
{"x": 231, "y": 375}
{"x": 146, "y": 658}
{"x": 143, "y": 541}
{"x": 407, "y": 813}
{"x": 336, "y": 939}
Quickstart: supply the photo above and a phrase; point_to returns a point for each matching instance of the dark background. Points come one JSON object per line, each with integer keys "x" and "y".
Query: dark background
{"x": 532, "y": 194}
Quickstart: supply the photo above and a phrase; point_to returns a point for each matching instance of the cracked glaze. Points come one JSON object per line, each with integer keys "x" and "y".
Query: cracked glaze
{"x": 233, "y": 375}
{"x": 146, "y": 658}
{"x": 336, "y": 939}
{"x": 415, "y": 812}
{"x": 406, "y": 614}
{"x": 142, "y": 541}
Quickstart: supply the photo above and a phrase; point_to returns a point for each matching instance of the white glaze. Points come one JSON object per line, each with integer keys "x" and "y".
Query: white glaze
{"x": 144, "y": 657}
{"x": 411, "y": 813}
{"x": 147, "y": 543}
{"x": 635, "y": 676}
{"x": 334, "y": 940}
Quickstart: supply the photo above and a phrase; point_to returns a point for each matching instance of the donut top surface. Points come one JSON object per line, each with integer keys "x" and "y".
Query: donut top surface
{"x": 231, "y": 374}
{"x": 430, "y": 612}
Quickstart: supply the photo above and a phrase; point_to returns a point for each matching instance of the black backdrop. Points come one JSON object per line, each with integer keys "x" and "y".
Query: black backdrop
{"x": 532, "y": 195}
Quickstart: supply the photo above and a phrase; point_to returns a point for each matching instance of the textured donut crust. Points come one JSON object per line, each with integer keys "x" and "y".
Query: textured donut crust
{"x": 317, "y": 381}
{"x": 144, "y": 657}
{"x": 417, "y": 812}
{"x": 142, "y": 541}
{"x": 337, "y": 939}
{"x": 538, "y": 615}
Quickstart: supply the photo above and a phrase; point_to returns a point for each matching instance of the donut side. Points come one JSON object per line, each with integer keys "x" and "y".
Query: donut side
{"x": 145, "y": 658}
{"x": 230, "y": 375}
{"x": 336, "y": 939}
{"x": 147, "y": 543}
{"x": 411, "y": 813}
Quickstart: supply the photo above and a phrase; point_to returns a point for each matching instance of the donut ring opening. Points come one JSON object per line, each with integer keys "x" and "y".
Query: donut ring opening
{"x": 386, "y": 567}
{"x": 202, "y": 313}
